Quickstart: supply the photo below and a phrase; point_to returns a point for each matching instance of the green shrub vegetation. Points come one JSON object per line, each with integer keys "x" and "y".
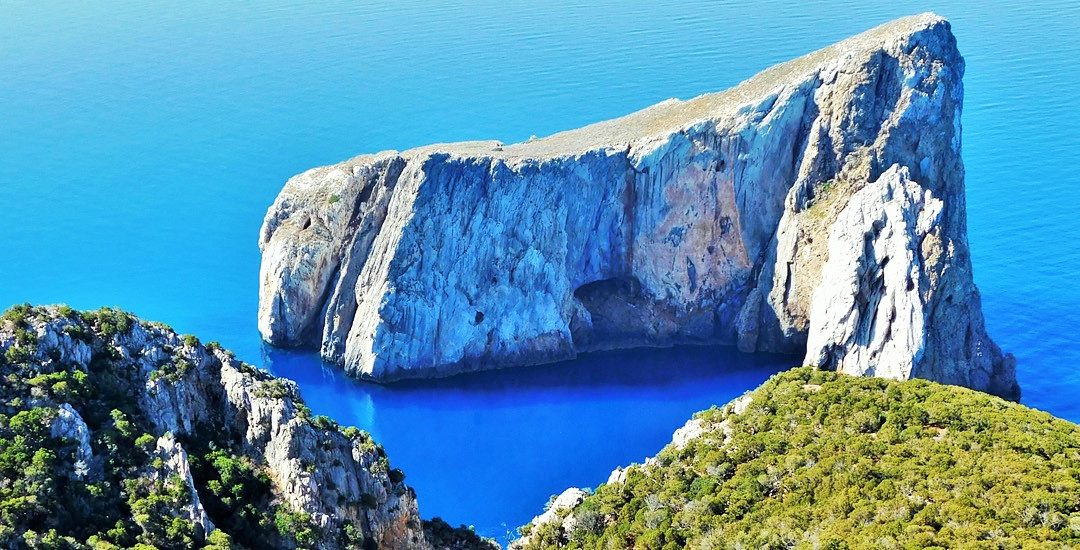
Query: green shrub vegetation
{"x": 323, "y": 422}
{"x": 273, "y": 389}
{"x": 109, "y": 322}
{"x": 17, "y": 314}
{"x": 153, "y": 504}
{"x": 172, "y": 371}
{"x": 442, "y": 535}
{"x": 820, "y": 460}
{"x": 296, "y": 525}
{"x": 237, "y": 491}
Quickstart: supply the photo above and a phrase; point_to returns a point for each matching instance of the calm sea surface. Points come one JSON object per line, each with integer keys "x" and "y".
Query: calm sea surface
{"x": 141, "y": 145}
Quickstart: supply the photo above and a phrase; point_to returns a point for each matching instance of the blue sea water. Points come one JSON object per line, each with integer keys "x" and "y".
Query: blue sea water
{"x": 140, "y": 145}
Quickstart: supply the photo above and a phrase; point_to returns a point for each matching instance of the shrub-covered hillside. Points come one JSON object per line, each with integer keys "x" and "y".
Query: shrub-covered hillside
{"x": 120, "y": 433}
{"x": 819, "y": 460}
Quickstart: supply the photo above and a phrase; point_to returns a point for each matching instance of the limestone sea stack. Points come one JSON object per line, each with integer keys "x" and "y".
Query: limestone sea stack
{"x": 817, "y": 208}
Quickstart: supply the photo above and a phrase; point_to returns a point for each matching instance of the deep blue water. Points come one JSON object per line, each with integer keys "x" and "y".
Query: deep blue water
{"x": 489, "y": 449}
{"x": 140, "y": 146}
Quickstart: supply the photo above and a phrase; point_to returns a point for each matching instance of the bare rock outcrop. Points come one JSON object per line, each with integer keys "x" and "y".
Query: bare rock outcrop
{"x": 888, "y": 303}
{"x": 721, "y": 219}
{"x": 69, "y": 425}
{"x": 175, "y": 463}
{"x": 163, "y": 424}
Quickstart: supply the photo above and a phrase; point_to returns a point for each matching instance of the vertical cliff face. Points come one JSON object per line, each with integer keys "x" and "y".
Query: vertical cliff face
{"x": 816, "y": 208}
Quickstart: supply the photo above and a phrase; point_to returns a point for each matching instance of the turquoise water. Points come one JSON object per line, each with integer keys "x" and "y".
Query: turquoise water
{"x": 141, "y": 145}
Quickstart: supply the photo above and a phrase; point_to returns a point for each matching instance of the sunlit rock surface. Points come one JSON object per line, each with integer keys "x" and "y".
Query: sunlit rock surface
{"x": 816, "y": 208}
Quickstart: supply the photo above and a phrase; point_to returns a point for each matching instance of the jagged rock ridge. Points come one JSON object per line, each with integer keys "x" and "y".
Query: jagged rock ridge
{"x": 816, "y": 208}
{"x": 212, "y": 427}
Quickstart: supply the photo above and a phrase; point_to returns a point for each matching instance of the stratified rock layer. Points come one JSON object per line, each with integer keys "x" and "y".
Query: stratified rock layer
{"x": 817, "y": 207}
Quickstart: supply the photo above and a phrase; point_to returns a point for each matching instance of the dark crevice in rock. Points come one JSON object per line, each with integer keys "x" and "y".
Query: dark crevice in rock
{"x": 618, "y": 310}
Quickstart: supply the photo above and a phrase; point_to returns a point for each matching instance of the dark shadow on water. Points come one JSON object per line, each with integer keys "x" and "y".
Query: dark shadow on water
{"x": 651, "y": 367}
{"x": 488, "y": 448}
{"x": 623, "y": 368}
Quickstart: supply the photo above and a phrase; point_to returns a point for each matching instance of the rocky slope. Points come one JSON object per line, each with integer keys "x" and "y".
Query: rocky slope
{"x": 816, "y": 208}
{"x": 814, "y": 459}
{"x": 116, "y": 432}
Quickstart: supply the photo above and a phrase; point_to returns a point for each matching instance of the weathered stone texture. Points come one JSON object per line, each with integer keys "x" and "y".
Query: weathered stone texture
{"x": 723, "y": 219}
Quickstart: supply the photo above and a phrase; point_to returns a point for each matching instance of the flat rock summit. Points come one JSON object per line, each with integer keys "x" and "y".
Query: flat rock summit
{"x": 817, "y": 208}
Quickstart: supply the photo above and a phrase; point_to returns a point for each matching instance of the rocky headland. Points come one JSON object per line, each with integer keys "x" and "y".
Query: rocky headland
{"x": 815, "y": 209}
{"x": 116, "y": 432}
{"x": 813, "y": 459}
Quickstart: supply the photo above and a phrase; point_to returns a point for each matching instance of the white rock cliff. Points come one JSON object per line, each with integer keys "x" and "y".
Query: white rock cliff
{"x": 816, "y": 208}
